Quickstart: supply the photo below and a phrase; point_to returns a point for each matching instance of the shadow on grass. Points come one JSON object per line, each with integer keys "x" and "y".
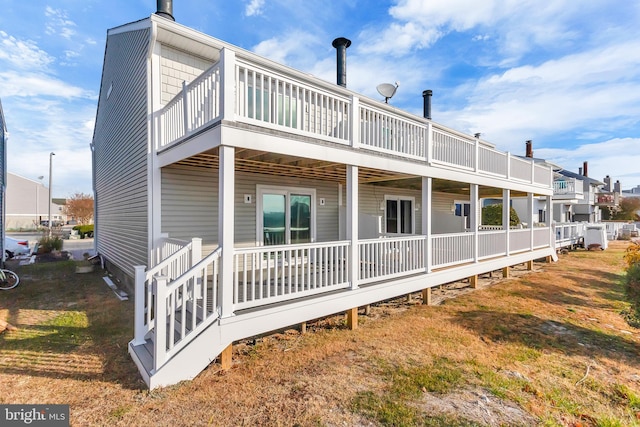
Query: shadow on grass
{"x": 598, "y": 289}
{"x": 542, "y": 334}
{"x": 69, "y": 326}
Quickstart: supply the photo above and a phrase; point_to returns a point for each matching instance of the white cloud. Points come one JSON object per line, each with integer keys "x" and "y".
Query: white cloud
{"x": 577, "y": 93}
{"x": 254, "y": 8}
{"x": 59, "y": 23}
{"x": 39, "y": 84}
{"x": 22, "y": 54}
{"x": 617, "y": 158}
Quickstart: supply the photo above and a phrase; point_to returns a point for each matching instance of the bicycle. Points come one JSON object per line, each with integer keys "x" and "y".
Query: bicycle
{"x": 8, "y": 280}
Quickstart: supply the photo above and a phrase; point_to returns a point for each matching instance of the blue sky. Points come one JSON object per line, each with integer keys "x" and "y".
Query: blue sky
{"x": 563, "y": 73}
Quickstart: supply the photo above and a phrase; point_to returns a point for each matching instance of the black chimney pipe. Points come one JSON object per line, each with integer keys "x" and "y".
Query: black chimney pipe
{"x": 426, "y": 96}
{"x": 585, "y": 166}
{"x": 165, "y": 9}
{"x": 341, "y": 44}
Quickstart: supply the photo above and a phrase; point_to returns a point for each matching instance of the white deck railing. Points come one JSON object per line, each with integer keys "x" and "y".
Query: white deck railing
{"x": 277, "y": 98}
{"x": 452, "y": 149}
{"x": 391, "y": 133}
{"x": 492, "y": 244}
{"x": 451, "y": 249}
{"x": 171, "y": 258}
{"x": 391, "y": 257}
{"x": 269, "y": 274}
{"x": 268, "y": 98}
{"x": 519, "y": 240}
{"x": 568, "y": 234}
{"x": 189, "y": 305}
{"x": 197, "y": 105}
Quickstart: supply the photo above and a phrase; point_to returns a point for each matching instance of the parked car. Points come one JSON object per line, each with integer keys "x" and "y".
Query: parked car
{"x": 54, "y": 223}
{"x": 13, "y": 247}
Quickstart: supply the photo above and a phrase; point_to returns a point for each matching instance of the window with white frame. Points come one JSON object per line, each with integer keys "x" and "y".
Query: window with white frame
{"x": 463, "y": 209}
{"x": 285, "y": 215}
{"x": 399, "y": 215}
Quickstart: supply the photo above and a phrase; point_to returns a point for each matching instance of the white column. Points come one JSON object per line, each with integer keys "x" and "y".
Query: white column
{"x": 228, "y": 95}
{"x": 226, "y": 225}
{"x": 530, "y": 219}
{"x": 352, "y": 224}
{"x": 473, "y": 195}
{"x": 355, "y": 122}
{"x": 139, "y": 308}
{"x": 160, "y": 329}
{"x": 506, "y": 215}
{"x": 429, "y": 142}
{"x": 427, "y": 184}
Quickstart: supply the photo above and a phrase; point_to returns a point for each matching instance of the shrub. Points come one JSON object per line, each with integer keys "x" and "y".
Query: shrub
{"x": 49, "y": 244}
{"x": 84, "y": 230}
{"x": 492, "y": 215}
{"x": 632, "y": 278}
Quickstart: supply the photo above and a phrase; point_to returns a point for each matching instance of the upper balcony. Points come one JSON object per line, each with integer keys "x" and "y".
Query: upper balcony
{"x": 606, "y": 199}
{"x": 567, "y": 189}
{"x": 239, "y": 89}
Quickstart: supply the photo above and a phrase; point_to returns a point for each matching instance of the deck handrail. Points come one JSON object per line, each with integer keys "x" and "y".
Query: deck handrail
{"x": 268, "y": 97}
{"x": 189, "y": 305}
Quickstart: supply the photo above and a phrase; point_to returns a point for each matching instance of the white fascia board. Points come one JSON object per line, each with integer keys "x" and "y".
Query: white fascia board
{"x": 277, "y": 144}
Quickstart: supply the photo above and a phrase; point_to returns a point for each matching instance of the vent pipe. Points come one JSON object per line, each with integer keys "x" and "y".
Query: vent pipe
{"x": 165, "y": 9}
{"x": 580, "y": 171}
{"x": 426, "y": 96}
{"x": 585, "y": 168}
{"x": 529, "y": 153}
{"x": 617, "y": 187}
{"x": 341, "y": 44}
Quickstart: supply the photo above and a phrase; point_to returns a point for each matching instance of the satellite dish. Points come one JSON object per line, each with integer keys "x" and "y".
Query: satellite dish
{"x": 387, "y": 90}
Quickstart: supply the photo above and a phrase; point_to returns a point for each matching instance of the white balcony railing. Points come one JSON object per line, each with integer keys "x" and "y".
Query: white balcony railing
{"x": 277, "y": 98}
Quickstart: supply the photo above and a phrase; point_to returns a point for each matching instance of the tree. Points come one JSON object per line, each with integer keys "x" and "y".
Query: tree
{"x": 627, "y": 209}
{"x": 80, "y": 207}
{"x": 492, "y": 215}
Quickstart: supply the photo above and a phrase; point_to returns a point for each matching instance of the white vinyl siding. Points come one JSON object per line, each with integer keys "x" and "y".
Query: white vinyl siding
{"x": 120, "y": 156}
{"x": 190, "y": 204}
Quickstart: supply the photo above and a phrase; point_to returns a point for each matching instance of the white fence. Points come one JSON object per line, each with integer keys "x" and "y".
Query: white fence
{"x": 276, "y": 98}
{"x": 451, "y": 249}
{"x": 269, "y": 274}
{"x": 391, "y": 257}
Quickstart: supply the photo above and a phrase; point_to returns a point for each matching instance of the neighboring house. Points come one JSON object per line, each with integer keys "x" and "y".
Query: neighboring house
{"x": 581, "y": 196}
{"x": 254, "y": 196}
{"x": 28, "y": 204}
{"x": 4, "y": 135}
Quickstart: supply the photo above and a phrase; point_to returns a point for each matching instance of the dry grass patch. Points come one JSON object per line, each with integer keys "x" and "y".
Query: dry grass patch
{"x": 547, "y": 347}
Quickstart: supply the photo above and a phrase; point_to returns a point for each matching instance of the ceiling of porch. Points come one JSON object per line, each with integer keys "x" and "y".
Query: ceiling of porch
{"x": 264, "y": 162}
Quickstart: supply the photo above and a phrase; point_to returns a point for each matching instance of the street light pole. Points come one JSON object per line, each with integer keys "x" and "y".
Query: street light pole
{"x": 50, "y": 172}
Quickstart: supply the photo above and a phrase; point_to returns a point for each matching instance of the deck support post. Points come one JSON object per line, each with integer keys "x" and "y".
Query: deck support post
{"x": 303, "y": 327}
{"x": 530, "y": 219}
{"x": 427, "y": 184}
{"x": 226, "y": 220}
{"x": 160, "y": 329}
{"x": 473, "y": 281}
{"x": 367, "y": 309}
{"x": 506, "y": 216}
{"x": 352, "y": 225}
{"x": 426, "y": 296}
{"x": 505, "y": 272}
{"x": 352, "y": 318}
{"x": 549, "y": 259}
{"x": 226, "y": 357}
{"x": 139, "y": 310}
{"x": 473, "y": 215}
{"x": 530, "y": 265}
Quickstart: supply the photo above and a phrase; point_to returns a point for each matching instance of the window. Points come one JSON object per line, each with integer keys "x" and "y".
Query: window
{"x": 541, "y": 216}
{"x": 398, "y": 215}
{"x": 463, "y": 209}
{"x": 260, "y": 108}
{"x": 285, "y": 216}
